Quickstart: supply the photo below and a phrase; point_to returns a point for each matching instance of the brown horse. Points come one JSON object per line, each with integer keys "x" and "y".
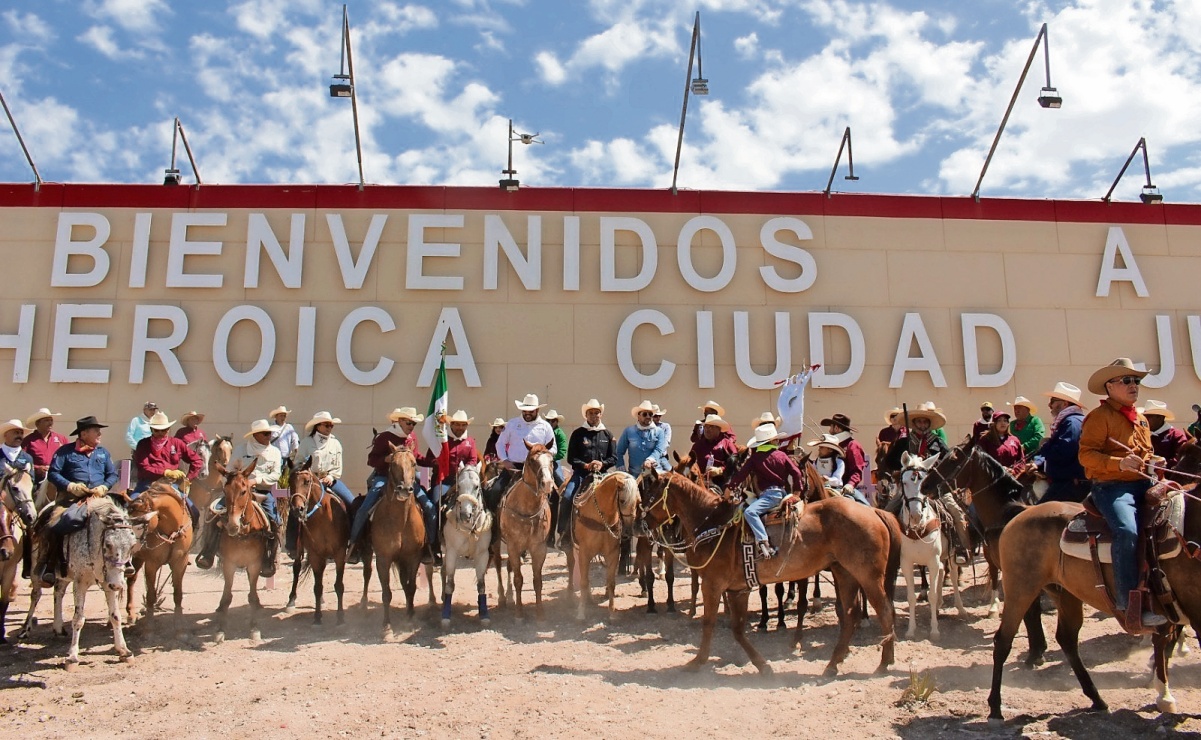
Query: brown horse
{"x": 324, "y": 533}
{"x": 243, "y": 544}
{"x": 16, "y": 502}
{"x": 165, "y": 539}
{"x": 600, "y": 514}
{"x": 207, "y": 485}
{"x": 525, "y": 521}
{"x": 859, "y": 545}
{"x": 397, "y": 535}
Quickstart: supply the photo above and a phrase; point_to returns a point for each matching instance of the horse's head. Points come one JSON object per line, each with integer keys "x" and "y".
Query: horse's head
{"x": 468, "y": 511}
{"x": 238, "y": 489}
{"x": 221, "y": 449}
{"x": 402, "y": 472}
{"x": 204, "y": 449}
{"x": 301, "y": 486}
{"x": 947, "y": 473}
{"x": 116, "y": 544}
{"x": 8, "y": 542}
{"x": 627, "y": 497}
{"x": 914, "y": 473}
{"x": 538, "y": 472}
{"x": 17, "y": 484}
{"x": 652, "y": 489}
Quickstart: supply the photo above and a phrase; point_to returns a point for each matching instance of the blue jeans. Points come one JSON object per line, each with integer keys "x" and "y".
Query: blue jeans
{"x": 376, "y": 483}
{"x": 768, "y": 499}
{"x": 1119, "y": 502}
{"x": 858, "y": 496}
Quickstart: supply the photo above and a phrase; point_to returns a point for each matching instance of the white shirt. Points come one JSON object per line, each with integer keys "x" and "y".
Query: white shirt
{"x": 327, "y": 455}
{"x": 266, "y": 470}
{"x": 286, "y": 440}
{"x": 511, "y": 444}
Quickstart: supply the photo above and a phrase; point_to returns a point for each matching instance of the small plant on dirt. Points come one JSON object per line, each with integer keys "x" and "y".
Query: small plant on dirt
{"x": 921, "y": 686}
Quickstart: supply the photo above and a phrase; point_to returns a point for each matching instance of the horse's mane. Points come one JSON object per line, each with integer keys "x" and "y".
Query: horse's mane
{"x": 722, "y": 509}
{"x": 1009, "y": 486}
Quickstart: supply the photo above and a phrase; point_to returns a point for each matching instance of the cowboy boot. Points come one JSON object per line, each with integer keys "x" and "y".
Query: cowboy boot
{"x": 272, "y": 550}
{"x": 290, "y": 537}
{"x": 764, "y": 550}
{"x": 209, "y": 541}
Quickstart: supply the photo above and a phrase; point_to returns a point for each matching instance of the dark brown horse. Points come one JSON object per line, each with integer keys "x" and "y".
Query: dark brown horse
{"x": 525, "y": 521}
{"x": 324, "y": 532}
{"x": 165, "y": 539}
{"x": 397, "y": 535}
{"x": 600, "y": 515}
{"x": 243, "y": 544}
{"x": 861, "y": 547}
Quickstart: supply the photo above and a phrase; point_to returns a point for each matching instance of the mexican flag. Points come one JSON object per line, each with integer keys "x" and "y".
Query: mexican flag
{"x": 435, "y": 429}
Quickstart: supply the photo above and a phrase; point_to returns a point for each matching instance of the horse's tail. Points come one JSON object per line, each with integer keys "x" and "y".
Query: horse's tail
{"x": 894, "y": 552}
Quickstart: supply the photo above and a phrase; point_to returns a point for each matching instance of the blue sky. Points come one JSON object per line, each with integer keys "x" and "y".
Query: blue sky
{"x": 95, "y": 84}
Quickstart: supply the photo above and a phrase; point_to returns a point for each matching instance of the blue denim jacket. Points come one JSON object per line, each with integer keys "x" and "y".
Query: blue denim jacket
{"x": 641, "y": 445}
{"x": 68, "y": 466}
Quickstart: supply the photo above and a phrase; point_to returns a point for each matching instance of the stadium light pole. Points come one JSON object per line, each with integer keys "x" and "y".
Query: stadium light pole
{"x": 1048, "y": 98}
{"x": 1150, "y": 194}
{"x": 511, "y": 183}
{"x": 697, "y": 86}
{"x": 343, "y": 86}
{"x": 171, "y": 177}
{"x": 37, "y": 178}
{"x": 846, "y": 143}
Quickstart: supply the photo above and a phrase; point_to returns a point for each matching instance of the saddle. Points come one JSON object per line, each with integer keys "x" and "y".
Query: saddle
{"x": 1161, "y": 517}
{"x": 790, "y": 509}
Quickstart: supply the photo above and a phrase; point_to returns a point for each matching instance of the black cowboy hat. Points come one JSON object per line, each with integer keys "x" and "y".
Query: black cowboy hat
{"x": 838, "y": 420}
{"x": 87, "y": 422}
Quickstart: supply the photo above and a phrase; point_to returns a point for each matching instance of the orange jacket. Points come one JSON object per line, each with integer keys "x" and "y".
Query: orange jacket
{"x": 1099, "y": 454}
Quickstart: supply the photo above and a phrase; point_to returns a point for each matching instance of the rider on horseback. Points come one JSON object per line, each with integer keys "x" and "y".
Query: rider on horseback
{"x": 160, "y": 456}
{"x": 462, "y": 452}
{"x": 513, "y": 445}
{"x": 591, "y": 451}
{"x": 644, "y": 442}
{"x": 713, "y": 451}
{"x": 256, "y": 449}
{"x": 401, "y": 433}
{"x": 773, "y": 469}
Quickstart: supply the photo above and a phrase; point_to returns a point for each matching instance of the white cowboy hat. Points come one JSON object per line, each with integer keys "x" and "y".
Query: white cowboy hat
{"x": 889, "y": 416}
{"x": 260, "y": 425}
{"x": 660, "y": 411}
{"x": 765, "y": 418}
{"x": 929, "y": 411}
{"x": 1158, "y": 408}
{"x": 592, "y": 403}
{"x": 278, "y": 410}
{"x": 42, "y": 413}
{"x": 160, "y": 421}
{"x": 12, "y": 424}
{"x": 644, "y": 406}
{"x": 199, "y": 416}
{"x": 715, "y": 406}
{"x": 460, "y": 415}
{"x": 552, "y": 414}
{"x": 318, "y": 418}
{"x": 828, "y": 442}
{"x": 1023, "y": 401}
{"x": 529, "y": 403}
{"x": 1065, "y": 392}
{"x": 713, "y": 420}
{"x": 1116, "y": 369}
{"x": 498, "y": 422}
{"x": 406, "y": 412}
{"x": 764, "y": 433}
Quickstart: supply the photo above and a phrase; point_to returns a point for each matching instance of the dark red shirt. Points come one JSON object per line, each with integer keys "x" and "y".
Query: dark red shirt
{"x": 40, "y": 448}
{"x": 188, "y": 436}
{"x": 153, "y": 457}
{"x": 721, "y": 449}
{"x": 1166, "y": 444}
{"x": 1007, "y": 451}
{"x": 381, "y": 447}
{"x": 855, "y": 462}
{"x": 771, "y": 470}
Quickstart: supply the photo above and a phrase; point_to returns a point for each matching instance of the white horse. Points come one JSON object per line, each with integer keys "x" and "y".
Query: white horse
{"x": 203, "y": 448}
{"x": 924, "y": 543}
{"x": 467, "y": 534}
{"x": 96, "y": 555}
{"x": 16, "y": 493}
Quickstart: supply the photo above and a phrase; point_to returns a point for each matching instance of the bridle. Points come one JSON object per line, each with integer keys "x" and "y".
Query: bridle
{"x": 297, "y": 500}
{"x": 402, "y": 490}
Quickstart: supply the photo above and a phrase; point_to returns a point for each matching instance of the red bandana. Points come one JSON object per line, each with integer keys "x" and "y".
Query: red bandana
{"x": 83, "y": 449}
{"x": 1129, "y": 413}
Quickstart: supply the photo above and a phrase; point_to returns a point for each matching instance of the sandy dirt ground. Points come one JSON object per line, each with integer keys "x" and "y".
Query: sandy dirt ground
{"x": 554, "y": 677}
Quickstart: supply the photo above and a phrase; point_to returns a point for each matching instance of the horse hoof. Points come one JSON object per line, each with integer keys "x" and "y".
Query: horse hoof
{"x": 445, "y": 624}
{"x": 765, "y": 669}
{"x": 996, "y": 722}
{"x": 255, "y": 637}
{"x": 934, "y": 636}
{"x": 1036, "y": 661}
{"x": 1100, "y": 706}
{"x": 485, "y": 622}
{"x": 1166, "y": 706}
{"x": 290, "y": 609}
{"x": 691, "y": 666}
{"x": 71, "y": 666}
{"x": 830, "y": 672}
{"x": 125, "y": 657}
{"x": 219, "y": 638}
{"x": 387, "y": 634}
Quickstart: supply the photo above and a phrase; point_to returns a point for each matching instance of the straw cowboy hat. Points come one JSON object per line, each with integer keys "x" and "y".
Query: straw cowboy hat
{"x": 460, "y": 415}
{"x": 892, "y": 414}
{"x": 838, "y": 420}
{"x": 1158, "y": 408}
{"x": 713, "y": 420}
{"x": 929, "y": 411}
{"x": 1116, "y": 369}
{"x": 87, "y": 422}
{"x": 644, "y": 406}
{"x": 12, "y": 424}
{"x": 42, "y": 413}
{"x": 191, "y": 415}
{"x": 160, "y": 421}
{"x": 260, "y": 425}
{"x": 1065, "y": 392}
{"x": 660, "y": 411}
{"x": 764, "y": 433}
{"x": 278, "y": 410}
{"x": 497, "y": 422}
{"x": 765, "y": 418}
{"x": 319, "y": 418}
{"x": 715, "y": 406}
{"x": 828, "y": 442}
{"x": 406, "y": 412}
{"x": 592, "y": 403}
{"x": 552, "y": 414}
{"x": 529, "y": 403}
{"x": 1023, "y": 401}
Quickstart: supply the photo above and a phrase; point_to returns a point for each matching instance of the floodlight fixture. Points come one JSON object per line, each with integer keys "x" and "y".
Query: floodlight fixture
{"x": 343, "y": 87}
{"x": 37, "y": 178}
{"x": 511, "y": 183}
{"x": 172, "y": 175}
{"x": 1049, "y": 97}
{"x": 1150, "y": 194}
{"x": 695, "y": 86}
{"x": 846, "y": 143}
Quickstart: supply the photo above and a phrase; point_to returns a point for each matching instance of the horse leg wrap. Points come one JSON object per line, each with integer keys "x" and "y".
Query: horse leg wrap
{"x": 446, "y": 606}
{"x": 483, "y": 600}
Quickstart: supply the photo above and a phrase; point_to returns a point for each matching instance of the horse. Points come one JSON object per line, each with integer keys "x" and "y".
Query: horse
{"x": 524, "y": 514}
{"x": 397, "y": 535}
{"x": 323, "y": 534}
{"x": 165, "y": 539}
{"x": 208, "y": 484}
{"x": 862, "y": 547}
{"x": 926, "y": 543}
{"x": 243, "y": 543}
{"x": 467, "y": 534}
{"x": 16, "y": 516}
{"x": 600, "y": 515}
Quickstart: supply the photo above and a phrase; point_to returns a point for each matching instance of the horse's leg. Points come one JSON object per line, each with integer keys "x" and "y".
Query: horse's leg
{"x": 252, "y": 598}
{"x": 937, "y": 573}
{"x": 844, "y": 589}
{"x": 60, "y": 593}
{"x": 644, "y": 565}
{"x": 408, "y": 582}
{"x": 910, "y": 590}
{"x": 585, "y": 561}
{"x": 712, "y": 596}
{"x": 481, "y": 593}
{"x": 955, "y": 572}
{"x": 764, "y": 608}
{"x": 450, "y": 562}
{"x": 228, "y": 569}
{"x": 339, "y": 586}
{"x": 367, "y": 558}
{"x": 518, "y": 581}
{"x": 151, "y": 591}
{"x": 802, "y": 607}
{"x": 35, "y": 595}
{"x": 81, "y": 594}
{"x": 1020, "y": 599}
{"x": 994, "y": 584}
{"x": 816, "y": 606}
{"x": 780, "y": 605}
{"x": 1033, "y": 619}
{"x": 1067, "y": 634}
{"x": 384, "y": 569}
{"x": 611, "y": 584}
{"x": 790, "y": 599}
{"x": 696, "y": 587}
{"x": 669, "y": 559}
{"x": 178, "y": 568}
{"x": 130, "y": 609}
{"x": 1163, "y": 641}
{"x": 495, "y": 558}
{"x": 297, "y": 567}
{"x": 925, "y": 592}
{"x": 537, "y": 560}
{"x": 114, "y": 620}
{"x": 317, "y": 563}
{"x": 738, "y": 608}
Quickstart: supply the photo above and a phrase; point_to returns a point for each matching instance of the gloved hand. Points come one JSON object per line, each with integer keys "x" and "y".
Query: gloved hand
{"x": 99, "y": 491}
{"x": 174, "y": 475}
{"x": 77, "y": 489}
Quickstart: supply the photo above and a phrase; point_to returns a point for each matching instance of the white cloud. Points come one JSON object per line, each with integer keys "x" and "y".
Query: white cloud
{"x": 266, "y": 18}
{"x": 28, "y": 26}
{"x": 550, "y": 69}
{"x": 747, "y": 46}
{"x": 131, "y": 15}
{"x": 613, "y": 49}
{"x": 101, "y": 39}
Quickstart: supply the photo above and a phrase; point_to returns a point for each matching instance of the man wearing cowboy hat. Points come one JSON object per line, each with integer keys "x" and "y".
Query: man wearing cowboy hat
{"x": 709, "y": 407}
{"x": 712, "y": 452}
{"x": 255, "y": 448}
{"x": 1059, "y": 455}
{"x": 657, "y": 417}
{"x": 78, "y": 470}
{"x": 887, "y": 437}
{"x": 829, "y": 462}
{"x": 524, "y": 429}
{"x": 401, "y": 432}
{"x": 766, "y": 417}
{"x": 12, "y": 456}
{"x": 591, "y": 451}
{"x": 855, "y": 468}
{"x": 189, "y": 430}
{"x": 982, "y": 425}
{"x": 462, "y": 452}
{"x": 1166, "y": 439}
{"x": 1115, "y": 444}
{"x": 41, "y": 442}
{"x": 498, "y": 426}
{"x": 139, "y": 426}
{"x": 1026, "y": 426}
{"x": 773, "y": 470}
{"x": 642, "y": 444}
{"x": 285, "y": 439}
{"x": 162, "y": 456}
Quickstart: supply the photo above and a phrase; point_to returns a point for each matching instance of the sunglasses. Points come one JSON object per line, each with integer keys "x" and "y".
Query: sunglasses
{"x": 1128, "y": 380}
{"x": 645, "y": 415}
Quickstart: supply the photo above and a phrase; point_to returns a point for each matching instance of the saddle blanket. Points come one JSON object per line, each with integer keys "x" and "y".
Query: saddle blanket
{"x": 1165, "y": 520}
